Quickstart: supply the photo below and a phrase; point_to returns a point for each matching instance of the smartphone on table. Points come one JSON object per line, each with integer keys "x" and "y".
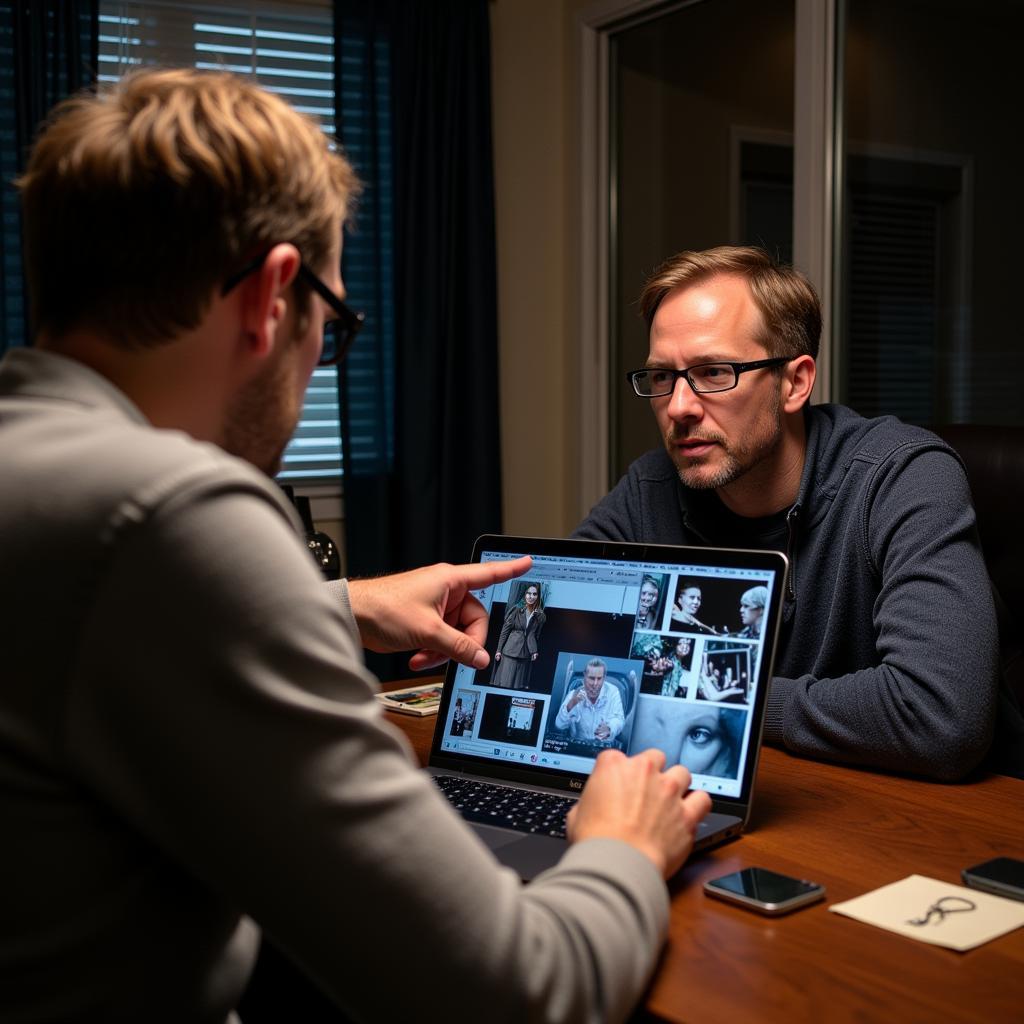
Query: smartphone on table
{"x": 764, "y": 891}
{"x": 1001, "y": 876}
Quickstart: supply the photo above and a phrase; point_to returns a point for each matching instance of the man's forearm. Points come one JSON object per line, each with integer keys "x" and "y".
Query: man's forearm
{"x": 882, "y": 718}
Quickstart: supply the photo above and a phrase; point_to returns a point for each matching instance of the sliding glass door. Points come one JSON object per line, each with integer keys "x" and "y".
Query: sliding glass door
{"x": 702, "y": 155}
{"x": 897, "y": 121}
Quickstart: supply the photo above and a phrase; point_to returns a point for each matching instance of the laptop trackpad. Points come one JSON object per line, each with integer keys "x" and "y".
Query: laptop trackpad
{"x": 529, "y": 855}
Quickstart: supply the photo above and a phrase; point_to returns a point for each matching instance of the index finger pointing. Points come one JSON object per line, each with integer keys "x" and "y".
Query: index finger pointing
{"x": 486, "y": 573}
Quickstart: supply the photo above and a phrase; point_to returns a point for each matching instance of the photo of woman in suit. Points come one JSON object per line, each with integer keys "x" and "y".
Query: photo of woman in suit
{"x": 517, "y": 644}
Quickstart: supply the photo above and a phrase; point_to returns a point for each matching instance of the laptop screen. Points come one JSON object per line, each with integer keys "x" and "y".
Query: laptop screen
{"x": 626, "y": 647}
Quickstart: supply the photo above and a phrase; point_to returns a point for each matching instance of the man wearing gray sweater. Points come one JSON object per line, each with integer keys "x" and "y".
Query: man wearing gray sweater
{"x": 888, "y": 651}
{"x": 190, "y": 747}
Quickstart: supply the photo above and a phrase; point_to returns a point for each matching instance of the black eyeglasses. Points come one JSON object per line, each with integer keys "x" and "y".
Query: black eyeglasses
{"x": 704, "y": 378}
{"x": 339, "y": 334}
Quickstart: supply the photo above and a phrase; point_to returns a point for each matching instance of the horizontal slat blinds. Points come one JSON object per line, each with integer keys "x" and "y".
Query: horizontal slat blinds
{"x": 893, "y": 298}
{"x": 289, "y": 49}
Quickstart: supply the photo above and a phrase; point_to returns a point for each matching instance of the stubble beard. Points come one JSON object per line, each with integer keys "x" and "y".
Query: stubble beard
{"x": 736, "y": 458}
{"x": 261, "y": 419}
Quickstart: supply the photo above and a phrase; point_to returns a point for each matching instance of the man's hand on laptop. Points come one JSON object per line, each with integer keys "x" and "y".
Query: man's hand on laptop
{"x": 634, "y": 799}
{"x": 430, "y": 610}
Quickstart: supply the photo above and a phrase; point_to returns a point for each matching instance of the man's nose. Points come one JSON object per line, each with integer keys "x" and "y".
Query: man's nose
{"x": 684, "y": 403}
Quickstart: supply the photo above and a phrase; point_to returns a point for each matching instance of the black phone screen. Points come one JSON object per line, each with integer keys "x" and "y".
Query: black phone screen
{"x": 764, "y": 885}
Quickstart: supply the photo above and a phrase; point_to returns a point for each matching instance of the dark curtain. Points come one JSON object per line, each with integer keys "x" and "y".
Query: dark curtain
{"x": 432, "y": 482}
{"x": 48, "y": 50}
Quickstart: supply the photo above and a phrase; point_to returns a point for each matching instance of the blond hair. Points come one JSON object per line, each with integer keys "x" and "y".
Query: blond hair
{"x": 141, "y": 199}
{"x": 787, "y": 301}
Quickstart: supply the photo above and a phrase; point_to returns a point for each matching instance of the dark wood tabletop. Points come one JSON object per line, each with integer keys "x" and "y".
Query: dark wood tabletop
{"x": 853, "y": 831}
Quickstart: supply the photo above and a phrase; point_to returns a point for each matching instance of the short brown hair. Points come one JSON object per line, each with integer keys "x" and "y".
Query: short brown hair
{"x": 790, "y": 311}
{"x": 141, "y": 199}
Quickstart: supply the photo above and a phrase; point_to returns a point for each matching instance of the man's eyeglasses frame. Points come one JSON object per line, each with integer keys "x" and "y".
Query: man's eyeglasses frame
{"x": 737, "y": 368}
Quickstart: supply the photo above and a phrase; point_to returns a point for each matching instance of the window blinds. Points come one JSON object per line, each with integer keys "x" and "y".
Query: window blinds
{"x": 289, "y": 49}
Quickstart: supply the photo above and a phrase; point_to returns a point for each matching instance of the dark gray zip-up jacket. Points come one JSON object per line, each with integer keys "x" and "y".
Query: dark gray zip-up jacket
{"x": 888, "y": 649}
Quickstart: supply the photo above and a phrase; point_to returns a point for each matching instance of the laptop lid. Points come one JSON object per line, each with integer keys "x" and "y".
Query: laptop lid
{"x": 618, "y": 645}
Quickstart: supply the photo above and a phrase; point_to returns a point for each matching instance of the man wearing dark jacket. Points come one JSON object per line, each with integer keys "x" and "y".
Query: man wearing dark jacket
{"x": 888, "y": 650}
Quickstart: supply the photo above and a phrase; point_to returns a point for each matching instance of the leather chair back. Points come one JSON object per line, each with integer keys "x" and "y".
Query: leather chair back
{"x": 994, "y": 457}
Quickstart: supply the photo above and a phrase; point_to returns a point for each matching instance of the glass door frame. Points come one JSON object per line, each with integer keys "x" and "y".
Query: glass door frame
{"x": 817, "y": 180}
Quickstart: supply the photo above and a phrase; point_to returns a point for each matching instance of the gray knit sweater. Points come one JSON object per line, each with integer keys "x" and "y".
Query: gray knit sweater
{"x": 189, "y": 742}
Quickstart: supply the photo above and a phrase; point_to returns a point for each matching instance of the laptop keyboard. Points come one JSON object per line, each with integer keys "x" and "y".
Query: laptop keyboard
{"x": 519, "y": 809}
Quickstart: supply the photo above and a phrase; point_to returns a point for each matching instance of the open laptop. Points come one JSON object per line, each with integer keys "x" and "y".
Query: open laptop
{"x": 636, "y": 646}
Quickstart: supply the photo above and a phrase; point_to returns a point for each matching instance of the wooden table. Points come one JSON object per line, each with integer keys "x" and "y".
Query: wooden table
{"x": 853, "y": 831}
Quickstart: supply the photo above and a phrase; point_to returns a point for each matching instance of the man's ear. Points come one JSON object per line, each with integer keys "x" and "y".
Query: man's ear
{"x": 265, "y": 299}
{"x": 797, "y": 381}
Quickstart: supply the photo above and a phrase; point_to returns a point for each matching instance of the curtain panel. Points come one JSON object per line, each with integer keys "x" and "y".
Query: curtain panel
{"x": 434, "y": 481}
